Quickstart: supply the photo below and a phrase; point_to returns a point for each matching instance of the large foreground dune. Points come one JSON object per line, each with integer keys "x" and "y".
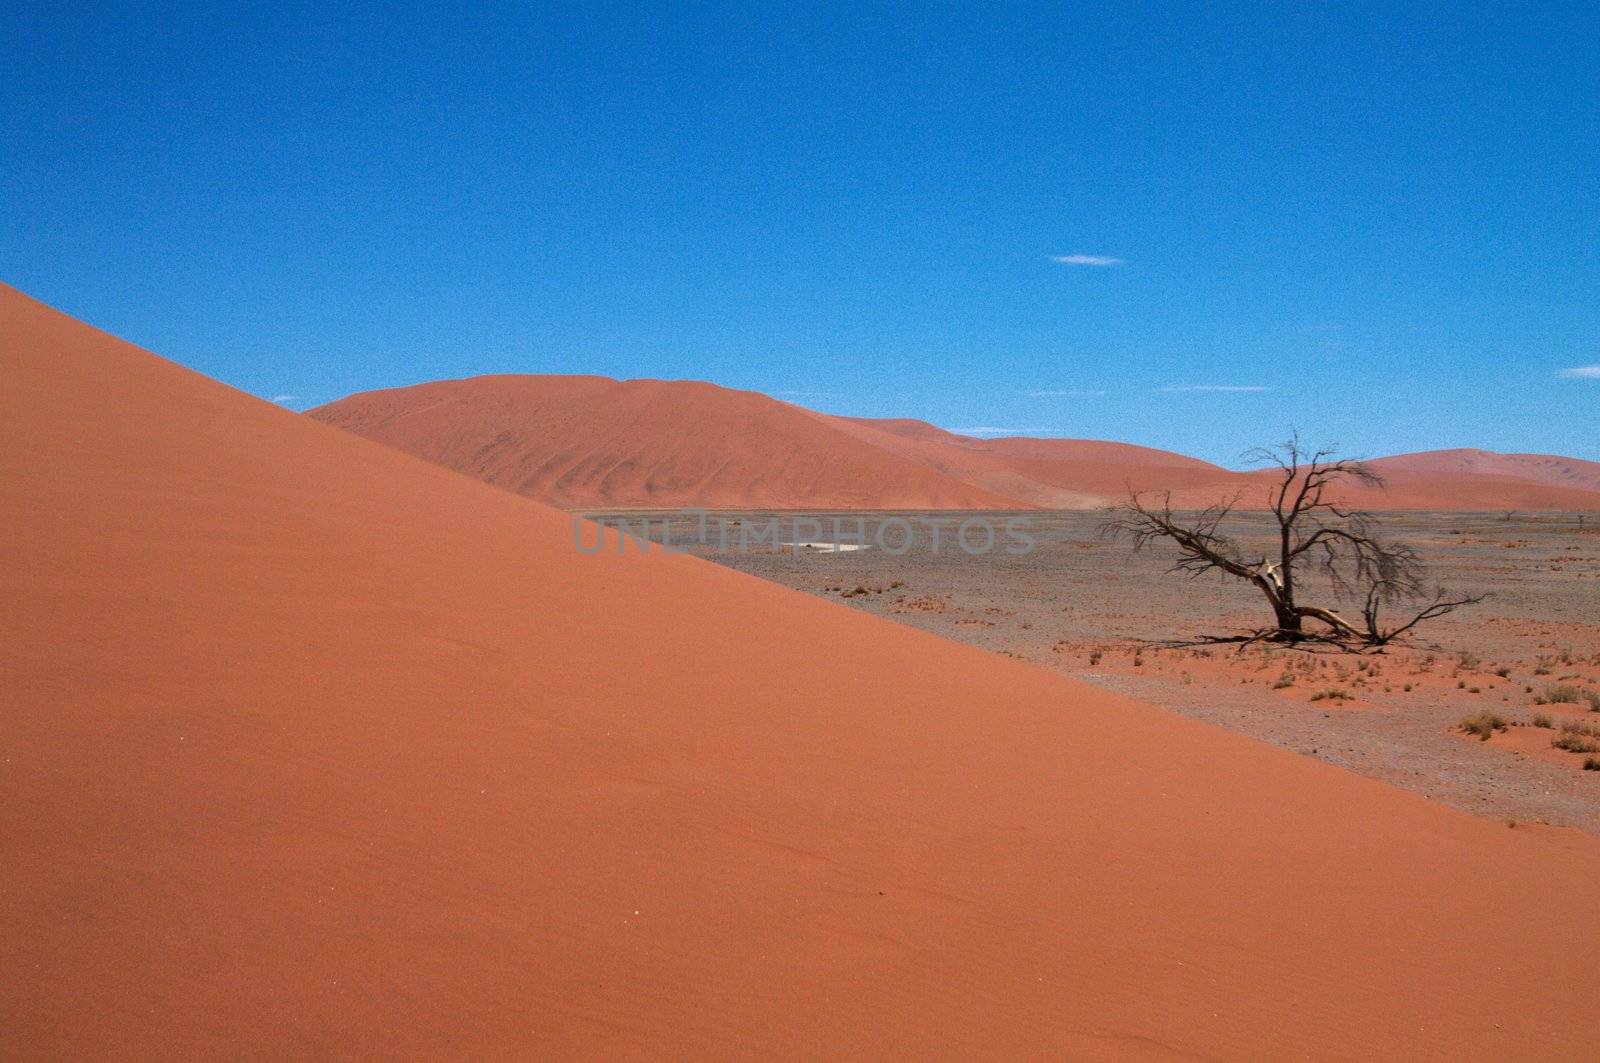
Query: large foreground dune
{"x": 592, "y": 442}
{"x": 315, "y": 749}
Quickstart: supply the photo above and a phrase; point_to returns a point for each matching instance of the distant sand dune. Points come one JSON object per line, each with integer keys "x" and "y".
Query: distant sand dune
{"x": 593, "y": 442}
{"x": 311, "y": 749}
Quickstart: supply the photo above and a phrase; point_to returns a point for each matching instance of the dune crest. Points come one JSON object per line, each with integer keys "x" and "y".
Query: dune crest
{"x": 315, "y": 749}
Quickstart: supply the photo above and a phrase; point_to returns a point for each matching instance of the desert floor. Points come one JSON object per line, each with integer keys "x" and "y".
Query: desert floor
{"x": 1100, "y": 612}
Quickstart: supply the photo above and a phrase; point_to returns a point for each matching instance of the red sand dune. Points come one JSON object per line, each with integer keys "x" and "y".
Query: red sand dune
{"x": 592, "y": 442}
{"x": 1547, "y": 469}
{"x": 314, "y": 749}
{"x": 1054, "y": 473}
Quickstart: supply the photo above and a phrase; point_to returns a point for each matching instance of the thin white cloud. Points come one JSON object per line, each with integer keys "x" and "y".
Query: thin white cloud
{"x": 1218, "y": 387}
{"x": 1074, "y": 394}
{"x": 1582, "y": 372}
{"x": 1086, "y": 260}
{"x": 285, "y": 399}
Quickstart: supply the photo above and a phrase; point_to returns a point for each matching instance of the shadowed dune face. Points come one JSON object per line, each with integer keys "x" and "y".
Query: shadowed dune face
{"x": 314, "y": 749}
{"x": 592, "y": 442}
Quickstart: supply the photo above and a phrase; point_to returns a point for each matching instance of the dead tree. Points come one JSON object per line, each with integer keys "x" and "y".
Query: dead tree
{"x": 1315, "y": 532}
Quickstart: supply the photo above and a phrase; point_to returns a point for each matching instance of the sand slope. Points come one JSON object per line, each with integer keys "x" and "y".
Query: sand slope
{"x": 314, "y": 749}
{"x": 592, "y": 442}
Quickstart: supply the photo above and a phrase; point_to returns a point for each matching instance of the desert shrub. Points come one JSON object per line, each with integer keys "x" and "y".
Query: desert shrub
{"x": 1573, "y": 742}
{"x": 1332, "y": 694}
{"x": 1593, "y": 699}
{"x": 1483, "y": 724}
{"x": 1283, "y": 681}
{"x": 1559, "y": 694}
{"x": 1541, "y": 720}
{"x": 1591, "y": 763}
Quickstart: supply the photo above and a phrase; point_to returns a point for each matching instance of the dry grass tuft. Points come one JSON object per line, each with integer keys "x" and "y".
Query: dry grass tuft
{"x": 1573, "y": 742}
{"x": 1483, "y": 724}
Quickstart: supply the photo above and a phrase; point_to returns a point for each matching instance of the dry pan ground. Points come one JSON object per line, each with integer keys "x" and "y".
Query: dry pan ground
{"x": 1095, "y": 610}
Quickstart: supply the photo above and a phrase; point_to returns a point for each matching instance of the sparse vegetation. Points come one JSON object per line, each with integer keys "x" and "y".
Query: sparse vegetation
{"x": 1573, "y": 742}
{"x": 1591, "y": 763}
{"x": 1332, "y": 694}
{"x": 1559, "y": 694}
{"x": 1541, "y": 720}
{"x": 1483, "y": 724}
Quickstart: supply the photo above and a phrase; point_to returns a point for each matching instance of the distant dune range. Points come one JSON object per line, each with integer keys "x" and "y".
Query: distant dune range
{"x": 592, "y": 442}
{"x": 312, "y": 749}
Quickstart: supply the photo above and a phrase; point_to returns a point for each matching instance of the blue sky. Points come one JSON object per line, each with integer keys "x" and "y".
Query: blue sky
{"x": 1189, "y": 226}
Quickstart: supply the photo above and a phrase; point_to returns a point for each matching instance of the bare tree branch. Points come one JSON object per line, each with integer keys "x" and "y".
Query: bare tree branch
{"x": 1440, "y": 604}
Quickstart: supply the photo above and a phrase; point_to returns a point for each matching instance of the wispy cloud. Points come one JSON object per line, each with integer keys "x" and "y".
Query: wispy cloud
{"x": 284, "y": 400}
{"x": 1217, "y": 387}
{"x": 1086, "y": 260}
{"x": 1072, "y": 394}
{"x": 1582, "y": 372}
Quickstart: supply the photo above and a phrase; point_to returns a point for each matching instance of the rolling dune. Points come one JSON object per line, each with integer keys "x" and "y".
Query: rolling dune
{"x": 315, "y": 749}
{"x": 595, "y": 443}
{"x": 1547, "y": 469}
